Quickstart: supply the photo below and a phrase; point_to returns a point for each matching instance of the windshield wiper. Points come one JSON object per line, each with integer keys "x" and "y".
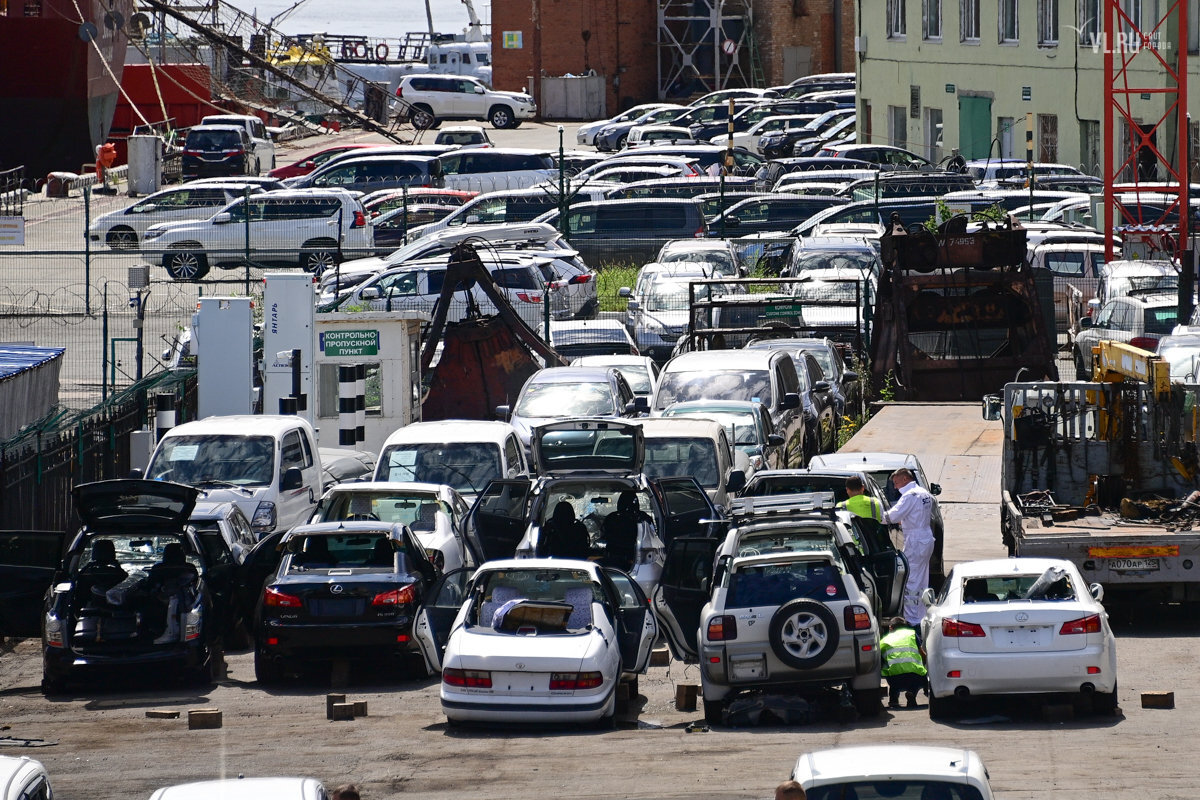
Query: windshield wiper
{"x": 215, "y": 483}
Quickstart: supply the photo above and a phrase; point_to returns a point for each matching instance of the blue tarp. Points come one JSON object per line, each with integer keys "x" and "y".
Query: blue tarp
{"x": 18, "y": 358}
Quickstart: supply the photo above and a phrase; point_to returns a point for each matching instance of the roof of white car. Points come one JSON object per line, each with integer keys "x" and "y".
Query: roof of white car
{"x": 15, "y": 770}
{"x": 452, "y": 430}
{"x": 875, "y": 761}
{"x": 1007, "y": 566}
{"x": 720, "y": 360}
{"x": 681, "y": 427}
{"x": 398, "y": 487}
{"x": 866, "y": 461}
{"x": 241, "y": 424}
{"x": 539, "y": 563}
{"x": 1146, "y": 267}
{"x": 243, "y": 789}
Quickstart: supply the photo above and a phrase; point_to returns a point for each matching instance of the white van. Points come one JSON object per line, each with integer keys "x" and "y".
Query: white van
{"x": 268, "y": 465}
{"x": 465, "y": 454}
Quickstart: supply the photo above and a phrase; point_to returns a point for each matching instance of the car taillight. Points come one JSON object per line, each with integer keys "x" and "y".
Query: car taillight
{"x": 585, "y": 278}
{"x": 526, "y": 297}
{"x": 396, "y": 597}
{"x": 1088, "y": 624}
{"x": 633, "y": 351}
{"x": 53, "y": 631}
{"x": 857, "y": 618}
{"x": 237, "y": 152}
{"x": 191, "y": 152}
{"x": 468, "y": 678}
{"x": 722, "y": 629}
{"x": 699, "y": 234}
{"x": 1144, "y": 342}
{"x": 278, "y": 599}
{"x": 959, "y": 629}
{"x": 360, "y": 219}
{"x": 575, "y": 680}
{"x": 191, "y": 625}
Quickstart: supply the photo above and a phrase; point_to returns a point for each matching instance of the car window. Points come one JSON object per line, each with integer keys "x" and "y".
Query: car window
{"x": 689, "y": 566}
{"x": 789, "y": 381}
{"x": 512, "y": 455}
{"x": 293, "y": 454}
{"x": 894, "y": 789}
{"x": 402, "y": 283}
{"x": 683, "y": 456}
{"x": 216, "y": 550}
{"x": 776, "y": 584}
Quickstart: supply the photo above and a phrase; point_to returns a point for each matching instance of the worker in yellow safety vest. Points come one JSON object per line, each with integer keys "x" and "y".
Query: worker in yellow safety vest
{"x": 903, "y": 663}
{"x": 859, "y": 502}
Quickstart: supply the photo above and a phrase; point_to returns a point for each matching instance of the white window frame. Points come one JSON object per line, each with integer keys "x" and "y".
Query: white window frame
{"x": 897, "y": 26}
{"x": 968, "y": 21}
{"x": 1047, "y": 14}
{"x": 898, "y": 126}
{"x": 1088, "y": 13}
{"x": 1009, "y": 12}
{"x": 931, "y": 20}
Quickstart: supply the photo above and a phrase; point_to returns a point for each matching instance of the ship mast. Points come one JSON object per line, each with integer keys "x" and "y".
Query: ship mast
{"x": 429, "y": 19}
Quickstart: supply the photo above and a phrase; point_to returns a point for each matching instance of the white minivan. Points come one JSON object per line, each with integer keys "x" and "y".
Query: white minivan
{"x": 466, "y": 454}
{"x": 268, "y": 465}
{"x": 260, "y": 138}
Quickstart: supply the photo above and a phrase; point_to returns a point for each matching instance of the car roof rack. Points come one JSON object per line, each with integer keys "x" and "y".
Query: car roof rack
{"x": 782, "y": 505}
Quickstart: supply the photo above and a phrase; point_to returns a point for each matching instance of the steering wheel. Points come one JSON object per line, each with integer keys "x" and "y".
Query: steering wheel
{"x": 750, "y": 551}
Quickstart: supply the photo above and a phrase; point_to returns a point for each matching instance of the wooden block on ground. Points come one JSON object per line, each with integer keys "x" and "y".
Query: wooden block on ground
{"x": 1158, "y": 699}
{"x": 660, "y": 657}
{"x": 204, "y": 718}
{"x": 330, "y": 700}
{"x": 360, "y": 708}
{"x": 1058, "y": 712}
{"x": 685, "y": 696}
{"x": 162, "y": 713}
{"x": 343, "y": 711}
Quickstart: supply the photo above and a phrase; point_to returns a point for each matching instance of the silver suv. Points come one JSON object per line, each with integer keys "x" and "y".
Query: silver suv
{"x": 793, "y": 601}
{"x": 430, "y": 99}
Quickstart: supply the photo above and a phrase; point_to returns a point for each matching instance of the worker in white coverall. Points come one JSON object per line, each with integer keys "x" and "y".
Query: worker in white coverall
{"x": 913, "y": 512}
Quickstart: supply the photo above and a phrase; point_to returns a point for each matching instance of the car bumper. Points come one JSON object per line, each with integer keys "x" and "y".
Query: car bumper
{"x": 316, "y": 640}
{"x": 60, "y": 661}
{"x": 754, "y": 665}
{"x": 462, "y": 707}
{"x": 1034, "y": 673}
{"x": 657, "y": 346}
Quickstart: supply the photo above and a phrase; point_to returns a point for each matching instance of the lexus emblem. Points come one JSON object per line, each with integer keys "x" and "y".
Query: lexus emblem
{"x": 1022, "y": 616}
{"x": 336, "y": 588}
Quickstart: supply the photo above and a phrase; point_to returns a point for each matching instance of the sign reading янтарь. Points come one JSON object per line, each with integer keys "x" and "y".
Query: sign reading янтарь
{"x": 350, "y": 343}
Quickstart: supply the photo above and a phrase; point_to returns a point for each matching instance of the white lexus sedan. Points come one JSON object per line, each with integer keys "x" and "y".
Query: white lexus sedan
{"x": 1018, "y": 626}
{"x": 535, "y": 640}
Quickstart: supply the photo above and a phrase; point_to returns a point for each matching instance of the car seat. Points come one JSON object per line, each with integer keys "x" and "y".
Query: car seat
{"x": 360, "y": 509}
{"x": 316, "y": 552}
{"x": 580, "y": 600}
{"x": 500, "y": 596}
{"x": 426, "y": 517}
{"x": 382, "y": 554}
{"x": 975, "y": 590}
{"x": 936, "y": 791}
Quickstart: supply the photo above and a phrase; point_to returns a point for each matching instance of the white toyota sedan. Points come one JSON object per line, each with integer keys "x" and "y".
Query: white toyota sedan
{"x": 535, "y": 640}
{"x": 1018, "y": 626}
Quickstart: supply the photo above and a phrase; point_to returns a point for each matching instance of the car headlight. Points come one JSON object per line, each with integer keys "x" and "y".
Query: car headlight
{"x": 152, "y": 234}
{"x": 653, "y": 325}
{"x": 264, "y": 517}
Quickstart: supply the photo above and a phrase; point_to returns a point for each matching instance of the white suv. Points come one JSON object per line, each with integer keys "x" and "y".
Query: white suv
{"x": 430, "y": 99}
{"x": 310, "y": 228}
{"x": 261, "y": 143}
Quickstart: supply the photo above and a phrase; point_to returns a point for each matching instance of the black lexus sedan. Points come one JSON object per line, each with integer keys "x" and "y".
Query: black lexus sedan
{"x": 342, "y": 590}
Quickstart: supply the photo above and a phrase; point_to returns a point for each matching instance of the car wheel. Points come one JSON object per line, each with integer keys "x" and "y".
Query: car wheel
{"x": 1105, "y": 702}
{"x": 1081, "y": 372}
{"x": 803, "y": 634}
{"x": 422, "y": 118}
{"x": 212, "y": 670}
{"x": 186, "y": 265}
{"x": 122, "y": 239}
{"x": 318, "y": 260}
{"x": 622, "y": 140}
{"x": 501, "y": 117}
{"x": 867, "y": 701}
{"x": 267, "y": 671}
{"x": 942, "y": 707}
{"x": 53, "y": 684}
{"x": 714, "y": 711}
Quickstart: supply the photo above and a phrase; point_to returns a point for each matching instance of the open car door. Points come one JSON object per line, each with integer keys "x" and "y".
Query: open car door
{"x": 685, "y": 504}
{"x": 683, "y": 591}
{"x": 436, "y": 617}
{"x": 636, "y": 626}
{"x": 885, "y": 563}
{"x": 29, "y": 561}
{"x": 499, "y": 517}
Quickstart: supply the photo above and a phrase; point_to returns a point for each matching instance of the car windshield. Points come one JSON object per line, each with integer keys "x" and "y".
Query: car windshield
{"x": 764, "y": 485}
{"x": 895, "y": 789}
{"x": 848, "y": 291}
{"x": 135, "y": 553}
{"x": 750, "y": 384}
{"x": 775, "y": 584}
{"x": 208, "y": 460}
{"x": 1184, "y": 361}
{"x": 824, "y": 357}
{"x": 353, "y": 550}
{"x": 721, "y": 261}
{"x": 681, "y": 457}
{"x": 637, "y": 376}
{"x": 467, "y": 466}
{"x": 672, "y": 295}
{"x": 566, "y": 400}
{"x": 545, "y": 600}
{"x": 1053, "y": 585}
{"x": 802, "y": 541}
{"x": 739, "y": 425}
{"x": 815, "y": 259}
{"x": 1119, "y": 287}
{"x": 417, "y": 510}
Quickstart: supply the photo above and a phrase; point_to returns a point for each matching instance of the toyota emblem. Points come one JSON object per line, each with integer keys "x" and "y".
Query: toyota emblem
{"x": 1022, "y": 616}
{"x": 520, "y": 665}
{"x": 336, "y": 588}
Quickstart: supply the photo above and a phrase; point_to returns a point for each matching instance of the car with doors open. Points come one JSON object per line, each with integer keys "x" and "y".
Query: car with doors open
{"x": 342, "y": 590}
{"x": 590, "y": 471}
{"x": 788, "y": 601}
{"x": 1018, "y": 626}
{"x": 535, "y": 640}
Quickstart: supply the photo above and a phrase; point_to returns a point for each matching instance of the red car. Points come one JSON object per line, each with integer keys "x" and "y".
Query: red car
{"x": 309, "y": 163}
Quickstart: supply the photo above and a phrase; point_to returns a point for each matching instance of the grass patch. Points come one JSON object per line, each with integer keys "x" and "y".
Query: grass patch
{"x": 609, "y": 281}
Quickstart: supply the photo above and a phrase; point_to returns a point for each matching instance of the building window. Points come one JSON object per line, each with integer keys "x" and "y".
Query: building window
{"x": 931, "y": 19}
{"x": 1047, "y": 138}
{"x": 864, "y": 122}
{"x": 1088, "y": 13}
{"x": 1047, "y": 11}
{"x": 898, "y": 126}
{"x": 1193, "y": 26}
{"x": 1004, "y": 136}
{"x": 1010, "y": 32}
{"x": 1194, "y": 149}
{"x": 968, "y": 20}
{"x": 1133, "y": 14}
{"x": 896, "y": 26}
{"x": 933, "y": 134}
{"x": 1089, "y": 146}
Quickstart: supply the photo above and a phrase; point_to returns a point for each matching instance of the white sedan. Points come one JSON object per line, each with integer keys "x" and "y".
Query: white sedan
{"x": 1018, "y": 626}
{"x": 535, "y": 640}
{"x": 906, "y": 771}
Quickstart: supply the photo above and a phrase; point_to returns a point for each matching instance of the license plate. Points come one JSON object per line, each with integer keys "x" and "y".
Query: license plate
{"x": 1133, "y": 563}
{"x": 748, "y": 669}
{"x": 1025, "y": 636}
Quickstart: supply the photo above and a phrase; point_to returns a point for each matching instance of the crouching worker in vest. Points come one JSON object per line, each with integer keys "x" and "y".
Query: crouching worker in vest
{"x": 903, "y": 663}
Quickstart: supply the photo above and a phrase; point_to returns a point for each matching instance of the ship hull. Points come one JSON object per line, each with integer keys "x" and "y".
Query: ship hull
{"x": 61, "y": 104}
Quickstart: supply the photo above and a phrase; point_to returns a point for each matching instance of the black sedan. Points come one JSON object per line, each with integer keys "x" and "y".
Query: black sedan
{"x": 342, "y": 590}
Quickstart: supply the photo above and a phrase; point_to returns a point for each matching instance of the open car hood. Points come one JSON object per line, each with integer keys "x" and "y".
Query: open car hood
{"x": 135, "y": 503}
{"x": 587, "y": 445}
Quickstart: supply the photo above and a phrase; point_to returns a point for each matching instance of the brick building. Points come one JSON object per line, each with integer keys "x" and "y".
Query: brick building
{"x": 619, "y": 40}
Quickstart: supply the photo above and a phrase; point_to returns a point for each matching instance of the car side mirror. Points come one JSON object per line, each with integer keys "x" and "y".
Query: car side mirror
{"x": 820, "y": 387}
{"x": 309, "y": 164}
{"x": 732, "y": 222}
{"x": 736, "y": 481}
{"x": 991, "y": 406}
{"x": 472, "y": 219}
{"x": 624, "y": 291}
{"x": 136, "y": 474}
{"x": 774, "y": 440}
{"x": 927, "y": 597}
{"x": 1097, "y": 591}
{"x": 849, "y": 376}
{"x": 293, "y": 478}
{"x": 633, "y": 305}
{"x": 638, "y": 405}
{"x": 371, "y": 293}
{"x": 790, "y": 400}
{"x": 222, "y": 218}
{"x": 935, "y": 488}
{"x": 478, "y": 89}
{"x": 504, "y": 413}
{"x": 1085, "y": 323}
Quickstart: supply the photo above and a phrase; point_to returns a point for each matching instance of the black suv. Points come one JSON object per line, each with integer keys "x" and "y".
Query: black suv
{"x": 216, "y": 151}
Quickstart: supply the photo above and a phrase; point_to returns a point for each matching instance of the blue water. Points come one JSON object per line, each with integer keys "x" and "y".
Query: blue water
{"x": 389, "y": 19}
